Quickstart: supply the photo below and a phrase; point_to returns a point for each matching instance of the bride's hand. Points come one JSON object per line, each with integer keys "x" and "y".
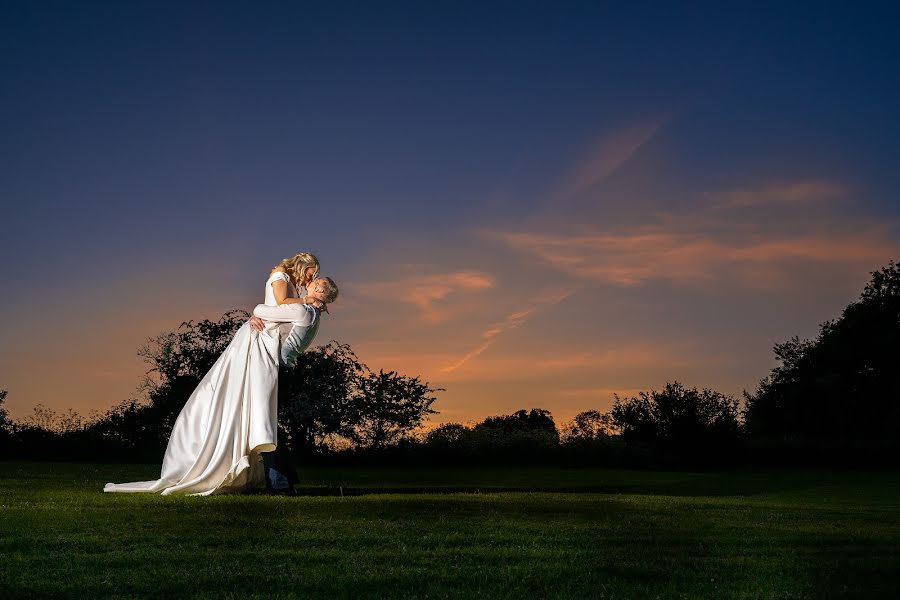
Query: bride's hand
{"x": 257, "y": 324}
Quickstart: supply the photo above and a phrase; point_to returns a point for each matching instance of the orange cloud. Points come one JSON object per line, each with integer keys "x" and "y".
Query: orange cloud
{"x": 636, "y": 355}
{"x": 429, "y": 291}
{"x": 791, "y": 193}
{"x": 601, "y": 392}
{"x": 511, "y": 363}
{"x": 705, "y": 246}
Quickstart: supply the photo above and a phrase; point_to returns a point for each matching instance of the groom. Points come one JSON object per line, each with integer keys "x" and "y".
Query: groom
{"x": 280, "y": 468}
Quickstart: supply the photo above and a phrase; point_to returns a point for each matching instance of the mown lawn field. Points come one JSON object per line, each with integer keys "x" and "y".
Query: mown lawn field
{"x": 473, "y": 532}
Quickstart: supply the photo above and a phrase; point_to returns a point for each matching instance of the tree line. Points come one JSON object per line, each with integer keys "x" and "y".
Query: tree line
{"x": 832, "y": 400}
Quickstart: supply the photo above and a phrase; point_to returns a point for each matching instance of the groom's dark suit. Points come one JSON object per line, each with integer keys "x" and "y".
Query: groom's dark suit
{"x": 281, "y": 470}
{"x": 279, "y": 465}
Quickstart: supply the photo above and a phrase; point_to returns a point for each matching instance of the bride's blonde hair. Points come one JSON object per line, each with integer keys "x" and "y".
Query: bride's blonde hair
{"x": 297, "y": 266}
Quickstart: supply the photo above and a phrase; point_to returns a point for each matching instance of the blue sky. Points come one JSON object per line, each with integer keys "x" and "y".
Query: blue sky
{"x": 529, "y": 204}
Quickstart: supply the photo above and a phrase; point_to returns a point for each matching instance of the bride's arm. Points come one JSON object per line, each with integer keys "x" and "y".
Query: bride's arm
{"x": 280, "y": 289}
{"x": 298, "y": 314}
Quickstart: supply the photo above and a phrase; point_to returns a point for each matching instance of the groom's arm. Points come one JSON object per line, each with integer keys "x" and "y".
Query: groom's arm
{"x": 304, "y": 324}
{"x": 298, "y": 314}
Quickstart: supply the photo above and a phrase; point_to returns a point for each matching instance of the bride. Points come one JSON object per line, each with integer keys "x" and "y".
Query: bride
{"x": 232, "y": 415}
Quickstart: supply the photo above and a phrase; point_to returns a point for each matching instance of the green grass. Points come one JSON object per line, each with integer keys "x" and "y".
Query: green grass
{"x": 793, "y": 534}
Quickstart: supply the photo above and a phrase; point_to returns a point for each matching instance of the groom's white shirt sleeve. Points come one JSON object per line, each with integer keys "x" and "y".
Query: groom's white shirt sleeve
{"x": 298, "y": 314}
{"x": 304, "y": 320}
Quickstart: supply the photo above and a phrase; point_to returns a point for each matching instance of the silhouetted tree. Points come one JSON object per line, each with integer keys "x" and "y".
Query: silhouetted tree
{"x": 131, "y": 430}
{"x": 386, "y": 406}
{"x": 178, "y": 361}
{"x": 41, "y": 417}
{"x": 590, "y": 439}
{"x": 524, "y": 437}
{"x": 677, "y": 419}
{"x": 4, "y": 416}
{"x": 447, "y": 434}
{"x": 587, "y": 426}
{"x": 323, "y": 393}
{"x": 449, "y": 443}
{"x": 844, "y": 384}
{"x": 316, "y": 395}
{"x": 537, "y": 420}
{"x": 5, "y": 426}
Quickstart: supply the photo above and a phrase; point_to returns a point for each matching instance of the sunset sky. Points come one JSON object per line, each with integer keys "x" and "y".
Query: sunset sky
{"x": 528, "y": 204}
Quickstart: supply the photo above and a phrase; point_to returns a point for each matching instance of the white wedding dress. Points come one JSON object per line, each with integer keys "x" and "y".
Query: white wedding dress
{"x": 232, "y": 415}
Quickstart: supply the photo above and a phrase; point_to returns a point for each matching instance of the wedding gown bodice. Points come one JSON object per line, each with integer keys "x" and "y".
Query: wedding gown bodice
{"x": 270, "y": 293}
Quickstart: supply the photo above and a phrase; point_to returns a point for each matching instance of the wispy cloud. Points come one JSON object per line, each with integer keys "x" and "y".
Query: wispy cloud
{"x": 547, "y": 363}
{"x": 428, "y": 293}
{"x": 604, "y": 393}
{"x": 703, "y": 246}
{"x": 786, "y": 194}
{"x": 624, "y": 356}
{"x": 513, "y": 320}
{"x": 607, "y": 153}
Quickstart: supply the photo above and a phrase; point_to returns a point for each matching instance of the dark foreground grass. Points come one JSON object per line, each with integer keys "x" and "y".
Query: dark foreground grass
{"x": 637, "y": 535}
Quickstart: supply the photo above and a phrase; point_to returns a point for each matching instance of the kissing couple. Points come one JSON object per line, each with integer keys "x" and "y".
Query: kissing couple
{"x": 225, "y": 440}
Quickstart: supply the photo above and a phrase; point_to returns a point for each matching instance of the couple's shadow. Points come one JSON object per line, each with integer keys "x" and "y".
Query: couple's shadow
{"x": 699, "y": 484}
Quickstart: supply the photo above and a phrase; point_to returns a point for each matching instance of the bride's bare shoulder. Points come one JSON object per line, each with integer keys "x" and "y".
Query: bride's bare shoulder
{"x": 277, "y": 270}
